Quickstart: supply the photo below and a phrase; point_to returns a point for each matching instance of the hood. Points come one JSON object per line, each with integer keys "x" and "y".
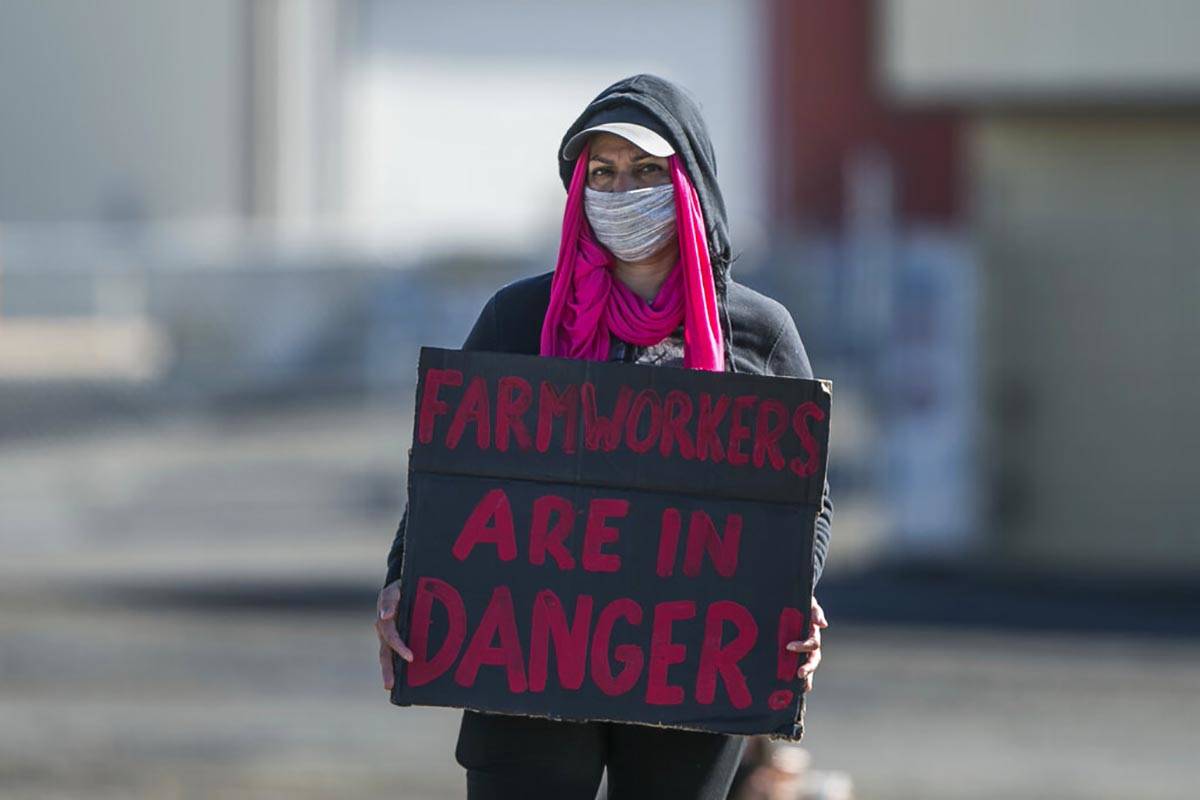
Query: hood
{"x": 680, "y": 122}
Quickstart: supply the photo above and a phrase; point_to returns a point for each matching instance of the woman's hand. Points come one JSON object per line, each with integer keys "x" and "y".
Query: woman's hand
{"x": 811, "y": 645}
{"x": 385, "y": 628}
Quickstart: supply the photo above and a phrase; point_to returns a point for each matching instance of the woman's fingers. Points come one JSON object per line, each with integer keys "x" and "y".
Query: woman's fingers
{"x": 389, "y": 600}
{"x": 385, "y": 625}
{"x": 807, "y": 645}
{"x": 385, "y": 665}
{"x": 810, "y": 665}
{"x": 811, "y": 645}
{"x": 818, "y": 613}
{"x": 389, "y": 637}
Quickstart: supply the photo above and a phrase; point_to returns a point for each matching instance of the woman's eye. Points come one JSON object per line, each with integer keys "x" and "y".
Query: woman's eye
{"x": 651, "y": 168}
{"x": 599, "y": 172}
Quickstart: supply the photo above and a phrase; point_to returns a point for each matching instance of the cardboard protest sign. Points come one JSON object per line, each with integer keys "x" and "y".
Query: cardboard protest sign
{"x": 606, "y": 541}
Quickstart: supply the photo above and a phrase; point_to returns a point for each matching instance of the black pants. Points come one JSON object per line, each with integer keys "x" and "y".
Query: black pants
{"x": 527, "y": 758}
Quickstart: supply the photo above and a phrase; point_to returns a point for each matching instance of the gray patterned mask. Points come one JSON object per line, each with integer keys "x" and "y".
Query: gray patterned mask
{"x": 634, "y": 224}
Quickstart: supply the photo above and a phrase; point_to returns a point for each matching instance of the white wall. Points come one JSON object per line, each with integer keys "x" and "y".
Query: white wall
{"x": 456, "y": 109}
{"x": 1089, "y": 230}
{"x": 973, "y": 50}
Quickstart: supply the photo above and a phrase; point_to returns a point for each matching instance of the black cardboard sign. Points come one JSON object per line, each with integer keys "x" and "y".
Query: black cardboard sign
{"x": 606, "y": 541}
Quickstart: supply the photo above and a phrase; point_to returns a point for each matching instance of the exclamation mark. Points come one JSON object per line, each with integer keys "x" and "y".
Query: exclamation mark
{"x": 792, "y": 627}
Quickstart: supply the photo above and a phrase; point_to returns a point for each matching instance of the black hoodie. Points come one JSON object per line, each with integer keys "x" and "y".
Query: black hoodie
{"x": 759, "y": 333}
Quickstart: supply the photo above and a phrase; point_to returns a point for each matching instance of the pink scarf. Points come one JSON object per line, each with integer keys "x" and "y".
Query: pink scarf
{"x": 587, "y": 302}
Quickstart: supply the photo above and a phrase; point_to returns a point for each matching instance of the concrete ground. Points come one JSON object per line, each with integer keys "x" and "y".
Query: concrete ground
{"x": 185, "y": 612}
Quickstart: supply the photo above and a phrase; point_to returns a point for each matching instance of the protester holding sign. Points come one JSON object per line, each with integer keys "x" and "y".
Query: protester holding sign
{"x": 642, "y": 277}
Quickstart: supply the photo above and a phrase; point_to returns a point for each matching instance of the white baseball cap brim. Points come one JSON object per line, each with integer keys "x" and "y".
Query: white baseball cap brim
{"x": 640, "y": 135}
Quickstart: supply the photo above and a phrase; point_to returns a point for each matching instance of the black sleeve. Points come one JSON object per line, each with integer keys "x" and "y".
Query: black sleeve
{"x": 483, "y": 336}
{"x": 789, "y": 359}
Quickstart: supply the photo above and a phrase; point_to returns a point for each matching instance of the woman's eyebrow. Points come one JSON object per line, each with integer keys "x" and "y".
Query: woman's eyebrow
{"x": 606, "y": 160}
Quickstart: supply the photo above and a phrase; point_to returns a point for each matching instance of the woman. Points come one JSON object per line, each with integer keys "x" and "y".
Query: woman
{"x": 642, "y": 276}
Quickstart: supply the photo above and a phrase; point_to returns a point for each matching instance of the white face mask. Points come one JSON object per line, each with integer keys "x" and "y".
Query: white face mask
{"x": 635, "y": 224}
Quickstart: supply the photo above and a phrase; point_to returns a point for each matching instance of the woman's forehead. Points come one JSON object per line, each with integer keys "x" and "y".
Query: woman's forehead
{"x": 610, "y": 145}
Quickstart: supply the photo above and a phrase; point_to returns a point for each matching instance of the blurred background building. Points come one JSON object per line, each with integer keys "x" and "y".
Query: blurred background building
{"x": 226, "y": 227}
